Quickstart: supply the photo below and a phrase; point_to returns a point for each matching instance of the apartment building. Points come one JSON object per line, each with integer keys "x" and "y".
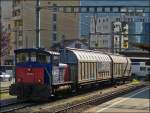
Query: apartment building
{"x": 108, "y": 33}
{"x": 100, "y": 33}
{"x": 7, "y": 37}
{"x": 8, "y": 43}
{"x": 23, "y": 16}
{"x": 54, "y": 26}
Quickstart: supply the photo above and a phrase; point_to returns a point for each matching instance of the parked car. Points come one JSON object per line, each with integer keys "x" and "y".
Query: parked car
{"x": 5, "y": 77}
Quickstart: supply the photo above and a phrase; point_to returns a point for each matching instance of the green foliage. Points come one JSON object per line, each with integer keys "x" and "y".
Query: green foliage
{"x": 135, "y": 81}
{"x": 4, "y": 96}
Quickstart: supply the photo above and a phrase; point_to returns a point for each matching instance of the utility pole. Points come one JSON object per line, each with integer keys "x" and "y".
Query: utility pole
{"x": 37, "y": 23}
{"x": 120, "y": 38}
{"x": 112, "y": 37}
{"x": 0, "y": 33}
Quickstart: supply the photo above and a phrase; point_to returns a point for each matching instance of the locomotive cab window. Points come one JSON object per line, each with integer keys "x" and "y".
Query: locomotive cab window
{"x": 22, "y": 57}
{"x": 33, "y": 57}
{"x": 142, "y": 68}
{"x": 43, "y": 58}
{"x": 148, "y": 69}
{"x": 56, "y": 60}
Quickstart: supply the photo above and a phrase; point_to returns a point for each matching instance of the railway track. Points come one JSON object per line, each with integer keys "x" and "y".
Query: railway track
{"x": 96, "y": 100}
{"x": 75, "y": 104}
{"x": 16, "y": 105}
{"x": 4, "y": 89}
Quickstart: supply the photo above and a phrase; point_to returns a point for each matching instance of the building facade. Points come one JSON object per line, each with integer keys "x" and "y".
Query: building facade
{"x": 7, "y": 36}
{"x": 145, "y": 39}
{"x": 142, "y": 33}
{"x": 54, "y": 26}
{"x": 107, "y": 33}
{"x": 100, "y": 36}
{"x": 7, "y": 43}
{"x": 126, "y": 30}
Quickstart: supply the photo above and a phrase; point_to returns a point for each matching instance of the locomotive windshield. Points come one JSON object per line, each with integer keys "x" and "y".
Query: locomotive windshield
{"x": 43, "y": 58}
{"x": 23, "y": 57}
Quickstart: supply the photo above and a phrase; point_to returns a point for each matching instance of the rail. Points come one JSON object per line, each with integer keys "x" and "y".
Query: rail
{"x": 4, "y": 89}
{"x": 16, "y": 105}
{"x": 97, "y": 100}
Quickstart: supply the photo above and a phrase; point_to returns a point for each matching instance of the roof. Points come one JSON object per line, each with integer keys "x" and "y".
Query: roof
{"x": 37, "y": 49}
{"x": 88, "y": 55}
{"x": 119, "y": 59}
{"x": 53, "y": 53}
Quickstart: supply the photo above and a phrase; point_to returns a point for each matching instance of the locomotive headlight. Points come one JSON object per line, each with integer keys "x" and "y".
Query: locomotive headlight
{"x": 29, "y": 69}
{"x": 39, "y": 80}
{"x": 18, "y": 79}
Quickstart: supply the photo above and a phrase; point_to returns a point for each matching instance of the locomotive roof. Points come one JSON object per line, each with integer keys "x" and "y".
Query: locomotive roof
{"x": 37, "y": 49}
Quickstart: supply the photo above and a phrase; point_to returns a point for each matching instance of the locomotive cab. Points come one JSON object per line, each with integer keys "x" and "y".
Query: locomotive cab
{"x": 33, "y": 73}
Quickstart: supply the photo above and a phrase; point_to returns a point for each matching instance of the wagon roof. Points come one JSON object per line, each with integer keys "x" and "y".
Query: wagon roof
{"x": 88, "y": 55}
{"x": 119, "y": 59}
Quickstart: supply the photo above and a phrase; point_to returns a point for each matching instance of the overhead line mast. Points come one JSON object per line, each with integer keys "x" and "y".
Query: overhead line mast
{"x": 37, "y": 23}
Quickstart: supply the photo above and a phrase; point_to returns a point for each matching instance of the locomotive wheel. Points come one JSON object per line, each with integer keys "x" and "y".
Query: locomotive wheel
{"x": 19, "y": 97}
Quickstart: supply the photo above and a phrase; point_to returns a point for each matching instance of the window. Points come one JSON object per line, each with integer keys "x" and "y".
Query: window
{"x": 148, "y": 69}
{"x": 107, "y": 19}
{"x": 54, "y": 36}
{"x": 20, "y": 33}
{"x": 54, "y": 9}
{"x": 147, "y": 63}
{"x": 99, "y": 20}
{"x": 18, "y": 23}
{"x": 42, "y": 58}
{"x": 20, "y": 43}
{"x": 118, "y": 19}
{"x": 54, "y": 17}
{"x": 22, "y": 57}
{"x": 33, "y": 57}
{"x": 54, "y": 27}
{"x": 9, "y": 27}
{"x": 142, "y": 68}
